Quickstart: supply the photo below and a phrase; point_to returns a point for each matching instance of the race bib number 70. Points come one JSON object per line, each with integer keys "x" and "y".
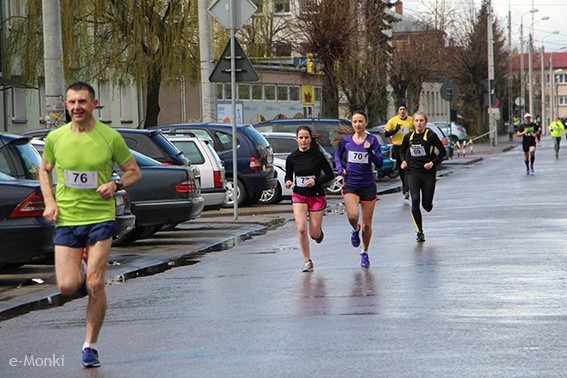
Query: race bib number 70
{"x": 357, "y": 157}
{"x": 81, "y": 180}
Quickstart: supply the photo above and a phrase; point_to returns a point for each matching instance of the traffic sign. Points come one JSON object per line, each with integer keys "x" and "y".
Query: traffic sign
{"x": 243, "y": 10}
{"x": 244, "y": 69}
{"x": 519, "y": 101}
{"x": 449, "y": 91}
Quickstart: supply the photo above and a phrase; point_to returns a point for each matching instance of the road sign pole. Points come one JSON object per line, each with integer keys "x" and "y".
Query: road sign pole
{"x": 233, "y": 105}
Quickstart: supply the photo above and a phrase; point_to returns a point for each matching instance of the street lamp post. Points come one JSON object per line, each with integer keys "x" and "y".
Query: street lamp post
{"x": 522, "y": 63}
{"x": 543, "y": 112}
{"x": 530, "y": 63}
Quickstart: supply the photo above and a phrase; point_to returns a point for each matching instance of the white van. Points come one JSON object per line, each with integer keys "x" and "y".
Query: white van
{"x": 202, "y": 155}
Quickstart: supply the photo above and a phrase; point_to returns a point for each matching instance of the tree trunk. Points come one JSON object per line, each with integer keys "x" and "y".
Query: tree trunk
{"x": 152, "y": 100}
{"x": 330, "y": 100}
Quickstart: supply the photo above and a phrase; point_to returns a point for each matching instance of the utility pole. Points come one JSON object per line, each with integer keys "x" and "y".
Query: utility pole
{"x": 208, "y": 93}
{"x": 490, "y": 42}
{"x": 510, "y": 77}
{"x": 53, "y": 61}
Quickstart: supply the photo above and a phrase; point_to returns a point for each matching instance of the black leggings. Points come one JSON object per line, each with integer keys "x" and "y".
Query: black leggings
{"x": 422, "y": 189}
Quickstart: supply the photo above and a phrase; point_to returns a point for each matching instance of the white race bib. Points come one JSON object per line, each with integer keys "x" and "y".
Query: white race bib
{"x": 81, "y": 180}
{"x": 357, "y": 157}
{"x": 301, "y": 181}
{"x": 417, "y": 150}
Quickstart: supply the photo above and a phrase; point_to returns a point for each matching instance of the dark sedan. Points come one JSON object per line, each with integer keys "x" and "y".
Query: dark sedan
{"x": 164, "y": 195}
{"x": 24, "y": 233}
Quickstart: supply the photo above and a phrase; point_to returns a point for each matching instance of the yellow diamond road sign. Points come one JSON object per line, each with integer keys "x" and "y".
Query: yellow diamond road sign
{"x": 222, "y": 12}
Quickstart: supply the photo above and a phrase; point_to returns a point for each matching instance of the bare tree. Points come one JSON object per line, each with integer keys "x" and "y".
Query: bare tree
{"x": 419, "y": 56}
{"x": 471, "y": 69}
{"x": 327, "y": 30}
{"x": 363, "y": 74}
{"x": 118, "y": 41}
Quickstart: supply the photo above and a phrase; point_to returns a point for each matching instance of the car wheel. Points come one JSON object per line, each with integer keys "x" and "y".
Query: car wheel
{"x": 454, "y": 139}
{"x": 252, "y": 198}
{"x": 240, "y": 194}
{"x": 272, "y": 196}
{"x": 336, "y": 185}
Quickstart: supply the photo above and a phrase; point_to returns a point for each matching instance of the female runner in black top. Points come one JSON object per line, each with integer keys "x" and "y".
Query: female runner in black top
{"x": 306, "y": 169}
{"x": 422, "y": 151}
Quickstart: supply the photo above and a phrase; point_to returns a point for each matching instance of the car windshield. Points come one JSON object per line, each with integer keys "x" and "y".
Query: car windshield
{"x": 282, "y": 145}
{"x": 190, "y": 150}
{"x": 31, "y": 159}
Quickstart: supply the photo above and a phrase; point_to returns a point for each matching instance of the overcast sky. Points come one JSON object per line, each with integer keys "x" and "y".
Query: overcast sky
{"x": 556, "y": 10}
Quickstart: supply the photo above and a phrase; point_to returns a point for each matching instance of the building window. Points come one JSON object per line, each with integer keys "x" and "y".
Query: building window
{"x": 244, "y": 91}
{"x": 281, "y": 6}
{"x": 257, "y": 92}
{"x": 282, "y": 93}
{"x": 104, "y": 114}
{"x": 228, "y": 92}
{"x": 219, "y": 91}
{"x": 125, "y": 104}
{"x": 318, "y": 93}
{"x": 270, "y": 92}
{"x": 294, "y": 93}
{"x": 562, "y": 100}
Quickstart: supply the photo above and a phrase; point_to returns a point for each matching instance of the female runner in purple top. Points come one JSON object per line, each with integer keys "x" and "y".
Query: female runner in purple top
{"x": 353, "y": 159}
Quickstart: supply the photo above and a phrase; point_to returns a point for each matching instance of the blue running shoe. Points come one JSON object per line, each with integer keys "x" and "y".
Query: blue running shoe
{"x": 355, "y": 238}
{"x": 90, "y": 358}
{"x": 364, "y": 260}
{"x": 532, "y": 170}
{"x": 527, "y": 171}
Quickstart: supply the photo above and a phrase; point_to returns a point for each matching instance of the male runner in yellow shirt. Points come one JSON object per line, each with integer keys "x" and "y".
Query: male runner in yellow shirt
{"x": 396, "y": 128}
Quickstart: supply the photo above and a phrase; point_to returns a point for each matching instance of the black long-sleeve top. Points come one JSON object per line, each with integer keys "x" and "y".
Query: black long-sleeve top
{"x": 419, "y": 149}
{"x": 300, "y": 165}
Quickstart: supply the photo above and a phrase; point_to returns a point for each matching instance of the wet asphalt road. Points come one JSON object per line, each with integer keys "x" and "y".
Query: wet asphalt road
{"x": 485, "y": 295}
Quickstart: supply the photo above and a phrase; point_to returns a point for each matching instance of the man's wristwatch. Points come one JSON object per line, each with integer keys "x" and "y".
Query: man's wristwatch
{"x": 119, "y": 184}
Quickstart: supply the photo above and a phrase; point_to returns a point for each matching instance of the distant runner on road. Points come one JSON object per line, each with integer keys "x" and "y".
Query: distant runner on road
{"x": 528, "y": 131}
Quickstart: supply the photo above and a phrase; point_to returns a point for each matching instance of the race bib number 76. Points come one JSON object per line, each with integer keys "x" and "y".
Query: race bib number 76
{"x": 81, "y": 180}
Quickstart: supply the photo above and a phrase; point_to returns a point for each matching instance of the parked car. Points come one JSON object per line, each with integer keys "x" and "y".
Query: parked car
{"x": 254, "y": 157}
{"x": 153, "y": 144}
{"x": 25, "y": 235}
{"x": 164, "y": 195}
{"x": 456, "y": 132}
{"x": 203, "y": 156}
{"x": 437, "y": 130}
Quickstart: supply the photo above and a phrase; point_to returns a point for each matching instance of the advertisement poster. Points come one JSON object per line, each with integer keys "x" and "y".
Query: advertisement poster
{"x": 224, "y": 113}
